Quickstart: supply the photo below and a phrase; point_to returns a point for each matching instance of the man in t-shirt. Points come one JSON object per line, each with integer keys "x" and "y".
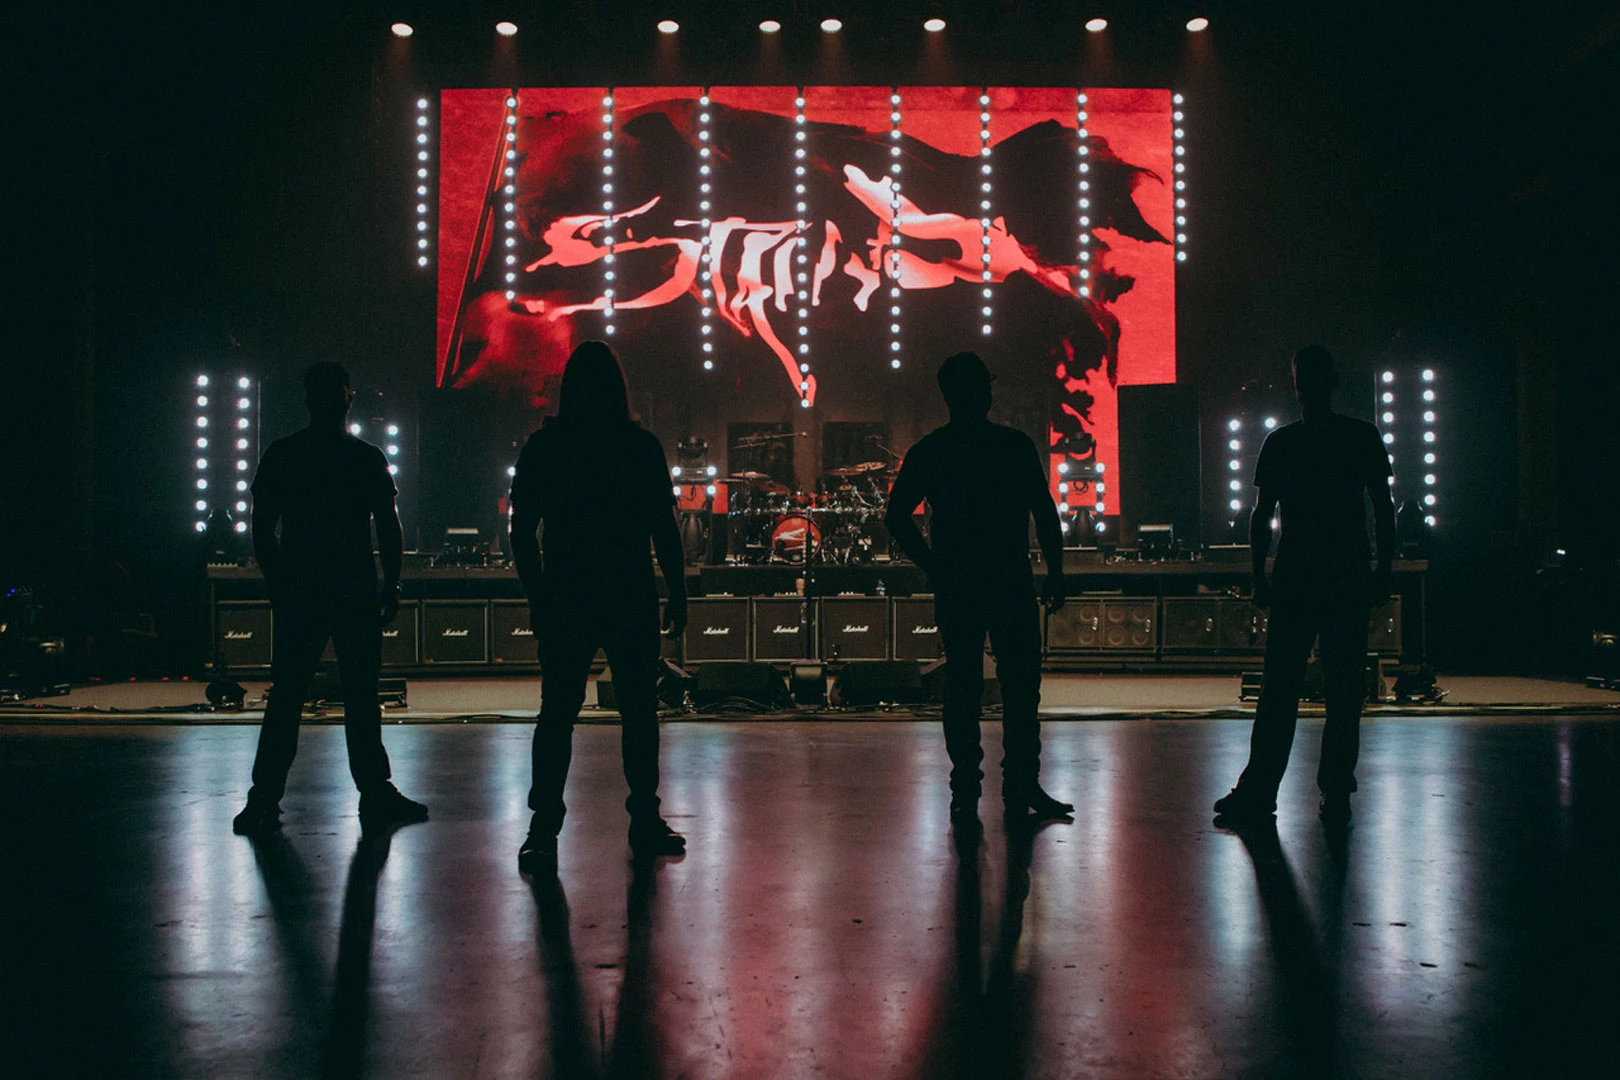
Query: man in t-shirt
{"x": 1321, "y": 470}
{"x": 982, "y": 482}
{"x": 597, "y": 485}
{"x": 324, "y": 488}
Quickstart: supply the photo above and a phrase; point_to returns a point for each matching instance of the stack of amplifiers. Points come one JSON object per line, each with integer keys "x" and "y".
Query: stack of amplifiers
{"x": 244, "y": 637}
{"x": 1114, "y": 625}
{"x": 780, "y": 629}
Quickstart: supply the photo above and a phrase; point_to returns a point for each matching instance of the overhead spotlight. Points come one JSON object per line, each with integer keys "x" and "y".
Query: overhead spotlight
{"x": 831, "y": 26}
{"x": 1197, "y": 24}
{"x": 934, "y": 25}
{"x": 668, "y": 26}
{"x": 506, "y": 29}
{"x": 769, "y": 26}
{"x": 402, "y": 29}
{"x": 1096, "y": 26}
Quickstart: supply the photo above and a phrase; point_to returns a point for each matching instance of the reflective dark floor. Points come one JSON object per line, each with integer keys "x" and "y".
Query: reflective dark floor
{"x": 821, "y": 924}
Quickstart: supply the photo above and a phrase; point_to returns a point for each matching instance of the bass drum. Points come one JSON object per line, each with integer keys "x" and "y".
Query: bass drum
{"x": 794, "y": 539}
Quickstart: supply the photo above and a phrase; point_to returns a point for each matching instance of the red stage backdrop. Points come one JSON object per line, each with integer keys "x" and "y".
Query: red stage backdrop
{"x": 741, "y": 241}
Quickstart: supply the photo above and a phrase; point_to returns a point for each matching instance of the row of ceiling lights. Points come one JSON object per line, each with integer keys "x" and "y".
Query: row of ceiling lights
{"x": 770, "y": 26}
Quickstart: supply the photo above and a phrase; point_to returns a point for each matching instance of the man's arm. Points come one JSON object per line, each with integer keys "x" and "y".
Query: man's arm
{"x": 1383, "y": 535}
{"x": 903, "y": 499}
{"x": 1260, "y": 544}
{"x": 1048, "y": 534}
{"x": 391, "y": 551}
{"x": 666, "y": 538}
{"x": 524, "y": 527}
{"x": 266, "y": 545}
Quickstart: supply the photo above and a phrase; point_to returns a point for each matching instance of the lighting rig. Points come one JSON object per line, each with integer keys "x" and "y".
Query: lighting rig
{"x": 224, "y": 447}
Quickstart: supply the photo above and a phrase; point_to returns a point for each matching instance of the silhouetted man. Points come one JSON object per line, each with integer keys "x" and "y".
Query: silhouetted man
{"x": 1321, "y": 470}
{"x": 982, "y": 481}
{"x": 324, "y": 488}
{"x": 597, "y": 485}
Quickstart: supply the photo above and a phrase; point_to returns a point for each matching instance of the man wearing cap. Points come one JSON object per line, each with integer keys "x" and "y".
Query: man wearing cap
{"x": 982, "y": 482}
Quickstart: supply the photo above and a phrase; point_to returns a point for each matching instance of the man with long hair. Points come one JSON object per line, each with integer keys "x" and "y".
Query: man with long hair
{"x": 597, "y": 484}
{"x": 323, "y": 487}
{"x": 1322, "y": 470}
{"x": 983, "y": 482}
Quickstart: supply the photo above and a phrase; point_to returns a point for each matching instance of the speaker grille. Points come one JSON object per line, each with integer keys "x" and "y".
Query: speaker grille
{"x": 855, "y": 628}
{"x": 717, "y": 629}
{"x": 455, "y": 632}
{"x": 242, "y": 635}
{"x": 916, "y": 631}
{"x": 1192, "y": 625}
{"x": 778, "y": 633}
{"x": 511, "y": 638}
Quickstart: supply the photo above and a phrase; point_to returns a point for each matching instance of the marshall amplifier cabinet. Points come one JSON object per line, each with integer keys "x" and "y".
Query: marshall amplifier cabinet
{"x": 1384, "y": 628}
{"x": 1243, "y": 627}
{"x": 668, "y": 648}
{"x": 854, "y": 628}
{"x": 779, "y": 630}
{"x": 916, "y": 633}
{"x": 242, "y": 633}
{"x": 1076, "y": 627}
{"x": 1130, "y": 624}
{"x": 716, "y": 629}
{"x": 399, "y": 638}
{"x": 511, "y": 641}
{"x": 455, "y": 632}
{"x": 1192, "y": 625}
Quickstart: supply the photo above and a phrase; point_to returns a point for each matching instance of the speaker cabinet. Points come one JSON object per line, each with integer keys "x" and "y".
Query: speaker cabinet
{"x": 455, "y": 632}
{"x": 1191, "y": 625}
{"x": 242, "y": 635}
{"x": 1384, "y": 628}
{"x": 717, "y": 629}
{"x": 779, "y": 632}
{"x": 400, "y": 638}
{"x": 511, "y": 638}
{"x": 1130, "y": 625}
{"x": 1242, "y": 627}
{"x": 878, "y": 682}
{"x": 668, "y": 648}
{"x": 854, "y": 628}
{"x": 916, "y": 631}
{"x": 1076, "y": 627}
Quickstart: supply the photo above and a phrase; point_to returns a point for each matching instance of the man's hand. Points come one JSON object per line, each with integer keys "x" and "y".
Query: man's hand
{"x": 675, "y": 616}
{"x": 388, "y": 604}
{"x": 1260, "y": 596}
{"x": 1054, "y": 591}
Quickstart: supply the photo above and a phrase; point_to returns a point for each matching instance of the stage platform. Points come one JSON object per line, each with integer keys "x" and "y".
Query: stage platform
{"x": 517, "y": 698}
{"x": 821, "y": 924}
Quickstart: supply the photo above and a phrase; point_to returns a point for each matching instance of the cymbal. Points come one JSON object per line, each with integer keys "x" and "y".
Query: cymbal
{"x": 862, "y": 469}
{"x": 749, "y": 477}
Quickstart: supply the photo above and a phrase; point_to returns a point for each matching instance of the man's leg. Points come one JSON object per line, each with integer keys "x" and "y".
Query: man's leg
{"x": 566, "y": 651}
{"x": 299, "y": 638}
{"x": 1015, "y": 636}
{"x": 1344, "y": 663}
{"x": 962, "y": 630}
{"x": 1289, "y": 636}
{"x": 357, "y": 640}
{"x": 632, "y": 653}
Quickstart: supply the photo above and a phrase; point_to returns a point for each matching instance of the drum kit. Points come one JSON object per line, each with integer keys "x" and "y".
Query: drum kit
{"x": 840, "y": 524}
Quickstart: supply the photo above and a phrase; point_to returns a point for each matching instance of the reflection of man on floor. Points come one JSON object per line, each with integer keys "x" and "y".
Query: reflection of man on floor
{"x": 1321, "y": 470}
{"x": 324, "y": 487}
{"x": 982, "y": 482}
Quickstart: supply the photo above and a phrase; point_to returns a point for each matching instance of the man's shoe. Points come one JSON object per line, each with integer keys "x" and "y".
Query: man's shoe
{"x": 257, "y": 818}
{"x": 386, "y": 806}
{"x": 538, "y": 855}
{"x": 1037, "y": 804}
{"x": 1334, "y": 810}
{"x": 654, "y": 838}
{"x": 1239, "y": 805}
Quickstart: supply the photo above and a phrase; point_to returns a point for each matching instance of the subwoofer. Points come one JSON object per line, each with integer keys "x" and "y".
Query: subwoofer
{"x": 916, "y": 630}
{"x": 854, "y": 628}
{"x": 781, "y": 630}
{"x": 1191, "y": 625}
{"x": 511, "y": 638}
{"x": 455, "y": 632}
{"x": 242, "y": 635}
{"x": 716, "y": 629}
{"x": 1076, "y": 627}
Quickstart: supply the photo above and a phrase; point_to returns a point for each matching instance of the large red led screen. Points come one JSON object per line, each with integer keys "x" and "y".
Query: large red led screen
{"x": 813, "y": 253}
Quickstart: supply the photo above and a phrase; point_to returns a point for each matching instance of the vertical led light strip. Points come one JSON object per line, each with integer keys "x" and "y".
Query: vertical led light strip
{"x": 892, "y": 256}
{"x": 801, "y": 242}
{"x": 245, "y": 423}
{"x": 509, "y": 194}
{"x": 608, "y": 274}
{"x": 1083, "y": 195}
{"x": 1180, "y": 149}
{"x": 706, "y": 253}
{"x": 1429, "y": 439}
{"x": 423, "y": 174}
{"x": 203, "y": 455}
{"x": 1386, "y": 418}
{"x": 1234, "y": 484}
{"x": 987, "y": 310}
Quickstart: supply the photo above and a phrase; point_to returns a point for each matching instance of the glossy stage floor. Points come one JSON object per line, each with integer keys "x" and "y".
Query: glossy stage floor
{"x": 821, "y": 923}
